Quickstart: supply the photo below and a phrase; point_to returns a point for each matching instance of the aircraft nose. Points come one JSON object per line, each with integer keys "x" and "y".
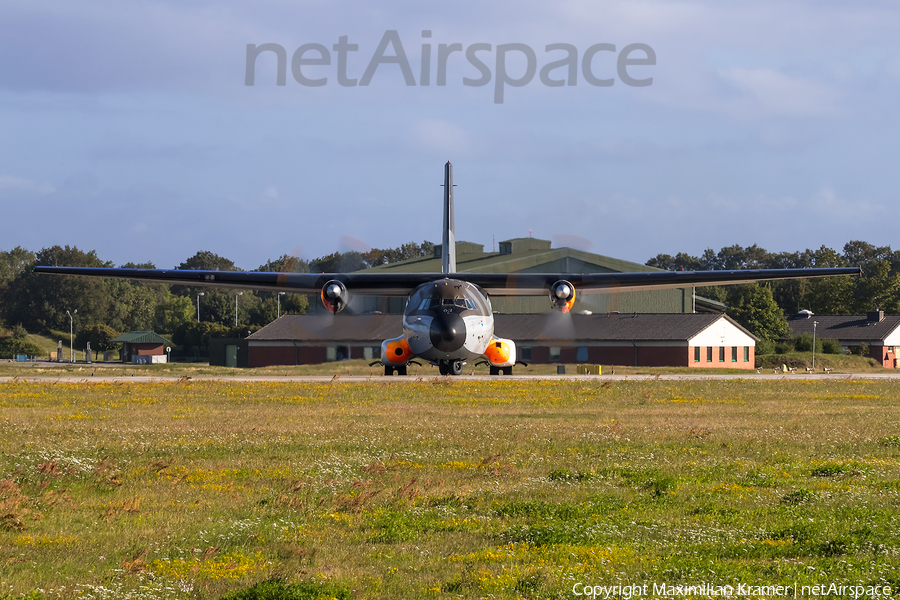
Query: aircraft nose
{"x": 448, "y": 332}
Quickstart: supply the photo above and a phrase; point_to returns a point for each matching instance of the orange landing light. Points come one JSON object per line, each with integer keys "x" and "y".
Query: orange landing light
{"x": 399, "y": 351}
{"x": 497, "y": 352}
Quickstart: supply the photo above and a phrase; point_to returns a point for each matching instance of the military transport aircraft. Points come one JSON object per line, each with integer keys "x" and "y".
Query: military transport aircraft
{"x": 448, "y": 318}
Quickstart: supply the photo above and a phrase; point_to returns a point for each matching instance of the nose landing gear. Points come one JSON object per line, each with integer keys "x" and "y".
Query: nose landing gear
{"x": 450, "y": 367}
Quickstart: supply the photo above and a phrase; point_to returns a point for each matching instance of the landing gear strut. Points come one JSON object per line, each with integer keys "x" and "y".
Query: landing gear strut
{"x": 450, "y": 367}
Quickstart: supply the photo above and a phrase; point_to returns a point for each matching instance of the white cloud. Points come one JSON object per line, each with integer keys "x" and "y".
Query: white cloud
{"x": 439, "y": 135}
{"x": 771, "y": 93}
{"x": 7, "y": 182}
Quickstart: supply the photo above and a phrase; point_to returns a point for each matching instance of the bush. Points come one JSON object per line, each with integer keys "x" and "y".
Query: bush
{"x": 861, "y": 350}
{"x": 784, "y": 346}
{"x": 765, "y": 347}
{"x": 831, "y": 347}
{"x": 803, "y": 343}
{"x": 11, "y": 346}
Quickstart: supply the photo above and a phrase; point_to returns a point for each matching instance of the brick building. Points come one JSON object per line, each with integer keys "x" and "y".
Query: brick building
{"x": 880, "y": 332}
{"x": 672, "y": 339}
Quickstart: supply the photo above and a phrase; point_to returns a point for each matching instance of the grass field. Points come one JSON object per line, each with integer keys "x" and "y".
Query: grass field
{"x": 445, "y": 489}
{"x": 839, "y": 364}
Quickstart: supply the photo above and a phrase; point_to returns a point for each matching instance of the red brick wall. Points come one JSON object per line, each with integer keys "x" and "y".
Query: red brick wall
{"x": 645, "y": 356}
{"x": 264, "y": 356}
{"x": 659, "y": 356}
{"x": 147, "y": 349}
{"x": 881, "y": 354}
{"x": 727, "y": 363}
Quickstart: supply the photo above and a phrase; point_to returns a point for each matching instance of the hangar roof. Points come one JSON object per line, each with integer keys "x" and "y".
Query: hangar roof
{"x": 847, "y": 328}
{"x": 522, "y": 256}
{"x": 141, "y": 337}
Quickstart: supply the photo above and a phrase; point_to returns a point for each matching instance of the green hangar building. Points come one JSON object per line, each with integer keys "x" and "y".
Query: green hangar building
{"x": 604, "y": 333}
{"x": 532, "y": 255}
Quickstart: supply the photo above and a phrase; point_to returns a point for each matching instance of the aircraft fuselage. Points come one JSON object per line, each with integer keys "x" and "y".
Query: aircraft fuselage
{"x": 448, "y": 320}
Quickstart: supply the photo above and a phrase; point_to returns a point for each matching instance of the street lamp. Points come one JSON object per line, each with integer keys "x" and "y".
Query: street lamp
{"x": 71, "y": 338}
{"x": 198, "y": 305}
{"x": 280, "y": 294}
{"x": 236, "y": 306}
{"x": 814, "y": 345}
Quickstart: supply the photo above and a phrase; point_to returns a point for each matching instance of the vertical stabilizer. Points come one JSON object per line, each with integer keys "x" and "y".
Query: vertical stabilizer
{"x": 448, "y": 249}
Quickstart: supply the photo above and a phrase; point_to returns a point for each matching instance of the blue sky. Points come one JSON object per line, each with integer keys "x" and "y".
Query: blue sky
{"x": 126, "y": 127}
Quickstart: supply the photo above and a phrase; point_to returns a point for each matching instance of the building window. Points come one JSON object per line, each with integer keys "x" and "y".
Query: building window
{"x": 709, "y": 354}
{"x": 696, "y": 353}
{"x": 581, "y": 355}
{"x": 734, "y": 354}
{"x": 554, "y": 354}
{"x": 525, "y": 353}
{"x": 746, "y": 353}
{"x": 721, "y": 353}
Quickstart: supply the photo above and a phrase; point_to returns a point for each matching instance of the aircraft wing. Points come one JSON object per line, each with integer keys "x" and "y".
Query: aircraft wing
{"x": 495, "y": 284}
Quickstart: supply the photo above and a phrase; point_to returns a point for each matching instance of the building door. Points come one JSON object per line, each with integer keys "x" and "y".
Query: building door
{"x": 231, "y": 351}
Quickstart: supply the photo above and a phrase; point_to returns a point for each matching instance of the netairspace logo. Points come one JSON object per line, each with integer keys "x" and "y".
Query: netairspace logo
{"x": 563, "y": 71}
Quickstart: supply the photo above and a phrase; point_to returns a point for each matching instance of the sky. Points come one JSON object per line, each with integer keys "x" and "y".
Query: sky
{"x": 129, "y": 128}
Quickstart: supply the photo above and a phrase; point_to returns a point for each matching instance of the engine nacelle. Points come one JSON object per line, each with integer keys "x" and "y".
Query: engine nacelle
{"x": 562, "y": 296}
{"x": 395, "y": 351}
{"x": 501, "y": 352}
{"x": 335, "y": 296}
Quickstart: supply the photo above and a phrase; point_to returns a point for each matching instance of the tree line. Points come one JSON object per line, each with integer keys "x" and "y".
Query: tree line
{"x": 761, "y": 307}
{"x": 107, "y": 307}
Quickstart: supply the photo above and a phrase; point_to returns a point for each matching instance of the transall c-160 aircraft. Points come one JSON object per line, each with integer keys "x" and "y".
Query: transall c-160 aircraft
{"x": 448, "y": 318}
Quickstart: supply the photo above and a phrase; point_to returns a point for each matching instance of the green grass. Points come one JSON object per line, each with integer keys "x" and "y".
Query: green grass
{"x": 49, "y": 345}
{"x": 443, "y": 489}
{"x": 358, "y": 367}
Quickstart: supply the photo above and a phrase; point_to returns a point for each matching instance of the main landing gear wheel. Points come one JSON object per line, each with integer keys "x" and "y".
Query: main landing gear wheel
{"x": 450, "y": 367}
{"x": 390, "y": 370}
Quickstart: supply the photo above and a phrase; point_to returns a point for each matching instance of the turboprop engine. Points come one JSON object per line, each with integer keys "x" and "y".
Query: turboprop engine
{"x": 335, "y": 296}
{"x": 562, "y": 296}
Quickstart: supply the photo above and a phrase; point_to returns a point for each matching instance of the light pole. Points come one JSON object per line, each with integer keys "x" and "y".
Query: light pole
{"x": 236, "y": 306}
{"x": 71, "y": 338}
{"x": 814, "y": 345}
{"x": 280, "y": 294}
{"x": 198, "y": 305}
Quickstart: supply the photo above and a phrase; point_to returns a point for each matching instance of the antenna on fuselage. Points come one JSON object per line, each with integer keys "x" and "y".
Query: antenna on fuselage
{"x": 448, "y": 250}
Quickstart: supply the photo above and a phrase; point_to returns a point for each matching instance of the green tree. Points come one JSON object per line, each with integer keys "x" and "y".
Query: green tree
{"x": 39, "y": 302}
{"x": 266, "y": 310}
{"x": 13, "y": 263}
{"x": 17, "y": 343}
{"x": 217, "y": 305}
{"x": 680, "y": 262}
{"x": 172, "y": 312}
{"x": 196, "y": 335}
{"x": 878, "y": 289}
{"x": 99, "y": 335}
{"x": 753, "y": 306}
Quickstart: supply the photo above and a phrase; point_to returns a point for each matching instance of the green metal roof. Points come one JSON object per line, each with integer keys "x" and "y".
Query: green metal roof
{"x": 141, "y": 337}
{"x": 566, "y": 260}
